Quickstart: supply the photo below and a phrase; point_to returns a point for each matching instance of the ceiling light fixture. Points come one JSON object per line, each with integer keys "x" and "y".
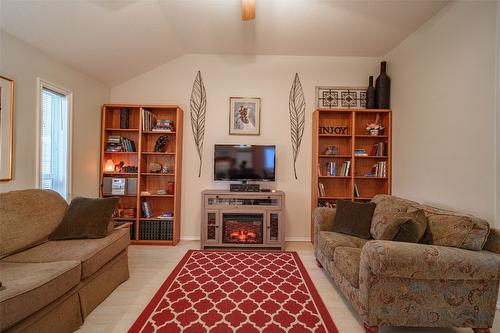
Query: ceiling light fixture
{"x": 247, "y": 10}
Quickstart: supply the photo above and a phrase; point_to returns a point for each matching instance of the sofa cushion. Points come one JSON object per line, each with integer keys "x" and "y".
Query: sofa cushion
{"x": 28, "y": 287}
{"x": 387, "y": 207}
{"x": 86, "y": 218}
{"x": 27, "y": 218}
{"x": 329, "y": 241}
{"x": 448, "y": 228}
{"x": 92, "y": 253}
{"x": 404, "y": 227}
{"x": 346, "y": 260}
{"x": 353, "y": 218}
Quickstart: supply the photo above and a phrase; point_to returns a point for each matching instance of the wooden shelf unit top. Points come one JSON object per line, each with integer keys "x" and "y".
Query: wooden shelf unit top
{"x": 144, "y": 155}
{"x": 342, "y": 187}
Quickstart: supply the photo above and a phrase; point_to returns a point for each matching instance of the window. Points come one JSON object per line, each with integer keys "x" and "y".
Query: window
{"x": 54, "y": 139}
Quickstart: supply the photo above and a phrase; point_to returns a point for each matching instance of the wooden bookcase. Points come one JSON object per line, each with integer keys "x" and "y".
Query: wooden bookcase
{"x": 146, "y": 181}
{"x": 342, "y": 187}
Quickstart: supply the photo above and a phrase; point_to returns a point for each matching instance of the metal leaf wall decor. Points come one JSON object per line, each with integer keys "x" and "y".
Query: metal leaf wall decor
{"x": 198, "y": 107}
{"x": 297, "y": 108}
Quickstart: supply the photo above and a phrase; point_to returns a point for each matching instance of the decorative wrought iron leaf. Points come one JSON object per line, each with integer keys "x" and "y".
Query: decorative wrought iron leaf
{"x": 198, "y": 107}
{"x": 297, "y": 108}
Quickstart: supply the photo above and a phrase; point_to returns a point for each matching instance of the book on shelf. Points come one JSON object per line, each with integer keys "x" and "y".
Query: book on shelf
{"x": 379, "y": 149}
{"x": 124, "y": 118}
{"x": 321, "y": 190}
{"x": 319, "y": 170}
{"x": 360, "y": 152}
{"x": 356, "y": 191}
{"x": 164, "y": 125}
{"x": 116, "y": 143}
{"x": 379, "y": 169}
{"x": 146, "y": 209}
{"x": 331, "y": 169}
{"x": 344, "y": 170}
{"x": 148, "y": 120}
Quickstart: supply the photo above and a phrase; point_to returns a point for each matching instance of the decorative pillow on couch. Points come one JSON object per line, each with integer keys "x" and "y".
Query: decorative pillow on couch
{"x": 353, "y": 218}
{"x": 448, "y": 228}
{"x": 86, "y": 218}
{"x": 387, "y": 207}
{"x": 404, "y": 227}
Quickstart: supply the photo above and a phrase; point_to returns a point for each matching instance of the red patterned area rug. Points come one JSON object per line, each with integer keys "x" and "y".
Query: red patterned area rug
{"x": 237, "y": 291}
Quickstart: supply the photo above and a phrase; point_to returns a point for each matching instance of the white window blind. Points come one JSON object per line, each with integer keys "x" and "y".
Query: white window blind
{"x": 54, "y": 145}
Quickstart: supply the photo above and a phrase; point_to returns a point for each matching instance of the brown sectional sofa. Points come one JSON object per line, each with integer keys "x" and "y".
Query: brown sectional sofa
{"x": 51, "y": 286}
{"x": 393, "y": 283}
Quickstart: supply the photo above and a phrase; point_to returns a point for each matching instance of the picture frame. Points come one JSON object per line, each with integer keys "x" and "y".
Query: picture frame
{"x": 6, "y": 127}
{"x": 244, "y": 116}
{"x": 340, "y": 97}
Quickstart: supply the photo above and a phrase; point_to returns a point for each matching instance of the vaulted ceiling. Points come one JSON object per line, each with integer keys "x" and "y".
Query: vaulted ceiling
{"x": 114, "y": 40}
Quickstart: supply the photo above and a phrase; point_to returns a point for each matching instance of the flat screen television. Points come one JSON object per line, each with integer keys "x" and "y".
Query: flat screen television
{"x": 245, "y": 162}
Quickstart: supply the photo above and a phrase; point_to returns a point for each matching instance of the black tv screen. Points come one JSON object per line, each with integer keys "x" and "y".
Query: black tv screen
{"x": 244, "y": 162}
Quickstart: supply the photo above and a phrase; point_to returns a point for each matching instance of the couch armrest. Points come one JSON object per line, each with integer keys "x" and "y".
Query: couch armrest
{"x": 493, "y": 242}
{"x": 323, "y": 220}
{"x": 428, "y": 262}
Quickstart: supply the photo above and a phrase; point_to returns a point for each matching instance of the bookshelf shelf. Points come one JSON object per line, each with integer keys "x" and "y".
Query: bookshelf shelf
{"x": 139, "y": 118}
{"x": 121, "y": 152}
{"x": 335, "y": 177}
{"x": 373, "y": 157}
{"x": 334, "y": 156}
{"x": 328, "y": 186}
{"x": 157, "y": 195}
{"x": 157, "y": 132}
{"x": 122, "y": 129}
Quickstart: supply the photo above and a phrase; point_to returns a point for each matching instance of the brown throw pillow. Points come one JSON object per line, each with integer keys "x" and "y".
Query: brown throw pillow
{"x": 354, "y": 218}
{"x": 411, "y": 226}
{"x": 86, "y": 218}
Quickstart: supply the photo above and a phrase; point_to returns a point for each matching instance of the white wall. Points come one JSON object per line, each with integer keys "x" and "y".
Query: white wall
{"x": 443, "y": 101}
{"x": 23, "y": 63}
{"x": 497, "y": 147}
{"x": 267, "y": 77}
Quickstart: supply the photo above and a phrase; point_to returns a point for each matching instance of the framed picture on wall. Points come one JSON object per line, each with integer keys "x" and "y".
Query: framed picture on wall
{"x": 6, "y": 127}
{"x": 244, "y": 116}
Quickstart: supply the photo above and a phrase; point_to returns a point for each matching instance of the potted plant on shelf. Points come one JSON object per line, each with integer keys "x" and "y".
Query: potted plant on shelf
{"x": 375, "y": 128}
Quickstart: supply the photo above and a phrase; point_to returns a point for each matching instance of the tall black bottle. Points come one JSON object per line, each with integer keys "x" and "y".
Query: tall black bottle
{"x": 370, "y": 95}
{"x": 383, "y": 88}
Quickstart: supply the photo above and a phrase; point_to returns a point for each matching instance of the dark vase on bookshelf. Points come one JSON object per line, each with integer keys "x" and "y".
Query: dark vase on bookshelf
{"x": 370, "y": 95}
{"x": 383, "y": 88}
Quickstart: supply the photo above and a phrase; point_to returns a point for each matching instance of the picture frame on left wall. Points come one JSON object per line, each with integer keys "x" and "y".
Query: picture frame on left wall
{"x": 6, "y": 127}
{"x": 244, "y": 116}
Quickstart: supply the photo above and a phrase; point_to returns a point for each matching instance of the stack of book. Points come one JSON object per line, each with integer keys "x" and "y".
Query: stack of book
{"x": 344, "y": 171}
{"x": 114, "y": 143}
{"x": 164, "y": 125}
{"x": 378, "y": 170}
{"x": 117, "y": 143}
{"x": 148, "y": 120}
{"x": 379, "y": 149}
{"x": 360, "y": 152}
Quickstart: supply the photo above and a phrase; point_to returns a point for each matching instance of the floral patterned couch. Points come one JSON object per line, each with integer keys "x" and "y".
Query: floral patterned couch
{"x": 449, "y": 279}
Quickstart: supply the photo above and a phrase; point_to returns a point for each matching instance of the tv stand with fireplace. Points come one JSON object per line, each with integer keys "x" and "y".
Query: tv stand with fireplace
{"x": 243, "y": 219}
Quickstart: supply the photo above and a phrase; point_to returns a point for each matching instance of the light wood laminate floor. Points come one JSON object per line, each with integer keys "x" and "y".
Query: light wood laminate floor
{"x": 150, "y": 266}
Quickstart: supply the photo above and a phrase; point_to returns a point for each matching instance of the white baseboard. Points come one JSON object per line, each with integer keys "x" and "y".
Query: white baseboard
{"x": 190, "y": 238}
{"x": 297, "y": 239}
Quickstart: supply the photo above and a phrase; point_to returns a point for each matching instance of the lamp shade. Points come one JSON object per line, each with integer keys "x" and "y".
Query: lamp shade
{"x": 109, "y": 166}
